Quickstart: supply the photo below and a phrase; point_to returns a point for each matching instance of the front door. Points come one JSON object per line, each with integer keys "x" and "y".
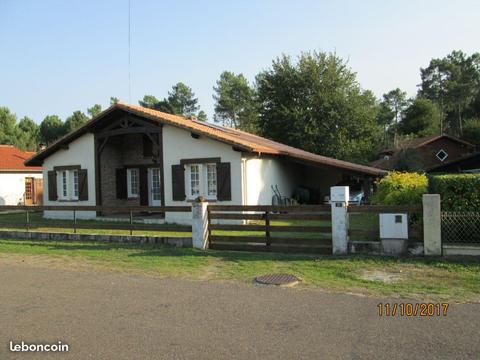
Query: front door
{"x": 154, "y": 193}
{"x": 29, "y": 191}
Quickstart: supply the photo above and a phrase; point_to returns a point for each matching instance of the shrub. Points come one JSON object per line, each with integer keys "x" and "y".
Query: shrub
{"x": 399, "y": 188}
{"x": 459, "y": 192}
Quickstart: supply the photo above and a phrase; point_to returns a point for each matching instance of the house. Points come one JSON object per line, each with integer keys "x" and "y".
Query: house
{"x": 130, "y": 155}
{"x": 469, "y": 163}
{"x": 19, "y": 184}
{"x": 424, "y": 152}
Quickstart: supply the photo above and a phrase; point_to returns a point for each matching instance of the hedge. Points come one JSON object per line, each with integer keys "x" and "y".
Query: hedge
{"x": 459, "y": 192}
{"x": 398, "y": 188}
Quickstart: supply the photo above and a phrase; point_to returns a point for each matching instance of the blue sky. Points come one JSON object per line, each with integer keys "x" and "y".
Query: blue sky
{"x": 60, "y": 56}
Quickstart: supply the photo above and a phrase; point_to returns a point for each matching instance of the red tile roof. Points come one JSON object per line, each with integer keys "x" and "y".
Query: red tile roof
{"x": 12, "y": 159}
{"x": 240, "y": 139}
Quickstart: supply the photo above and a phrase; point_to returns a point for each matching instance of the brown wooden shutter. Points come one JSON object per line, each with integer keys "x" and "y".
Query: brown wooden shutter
{"x": 52, "y": 186}
{"x": 83, "y": 185}
{"x": 121, "y": 182}
{"x": 178, "y": 182}
{"x": 224, "y": 182}
{"x": 147, "y": 146}
{"x": 143, "y": 186}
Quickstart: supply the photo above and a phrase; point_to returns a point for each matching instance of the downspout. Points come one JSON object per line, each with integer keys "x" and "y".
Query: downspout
{"x": 244, "y": 182}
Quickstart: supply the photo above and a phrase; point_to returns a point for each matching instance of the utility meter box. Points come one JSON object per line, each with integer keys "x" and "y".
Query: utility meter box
{"x": 339, "y": 193}
{"x": 394, "y": 233}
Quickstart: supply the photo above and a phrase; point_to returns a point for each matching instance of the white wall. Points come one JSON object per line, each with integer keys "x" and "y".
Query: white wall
{"x": 263, "y": 173}
{"x": 79, "y": 152}
{"x": 12, "y": 187}
{"x": 179, "y": 144}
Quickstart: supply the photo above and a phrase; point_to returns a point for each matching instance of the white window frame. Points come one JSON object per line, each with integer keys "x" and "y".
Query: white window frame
{"x": 212, "y": 196}
{"x": 202, "y": 181}
{"x": 132, "y": 191}
{"x": 62, "y": 184}
{"x": 438, "y": 157}
{"x": 74, "y": 184}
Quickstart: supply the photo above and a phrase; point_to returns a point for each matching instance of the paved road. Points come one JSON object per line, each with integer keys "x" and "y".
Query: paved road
{"x": 104, "y": 315}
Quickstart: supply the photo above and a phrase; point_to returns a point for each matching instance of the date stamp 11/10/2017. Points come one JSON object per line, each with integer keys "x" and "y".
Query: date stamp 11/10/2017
{"x": 412, "y": 309}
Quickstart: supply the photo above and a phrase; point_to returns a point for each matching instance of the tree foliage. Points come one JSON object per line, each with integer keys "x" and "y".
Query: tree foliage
{"x": 421, "y": 118}
{"x": 182, "y": 100}
{"x": 453, "y": 82}
{"x": 317, "y": 104}
{"x": 471, "y": 131}
{"x": 51, "y": 128}
{"x": 94, "y": 110}
{"x": 74, "y": 121}
{"x": 235, "y": 102}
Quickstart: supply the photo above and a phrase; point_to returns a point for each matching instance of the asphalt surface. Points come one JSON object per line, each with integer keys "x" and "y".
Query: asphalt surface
{"x": 105, "y": 315}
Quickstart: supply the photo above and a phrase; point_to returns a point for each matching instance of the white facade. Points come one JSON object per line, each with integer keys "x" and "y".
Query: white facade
{"x": 260, "y": 174}
{"x": 12, "y": 187}
{"x": 178, "y": 144}
{"x": 79, "y": 152}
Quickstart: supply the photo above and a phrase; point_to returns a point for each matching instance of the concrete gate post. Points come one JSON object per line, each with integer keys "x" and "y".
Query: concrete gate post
{"x": 200, "y": 224}
{"x": 339, "y": 196}
{"x": 432, "y": 225}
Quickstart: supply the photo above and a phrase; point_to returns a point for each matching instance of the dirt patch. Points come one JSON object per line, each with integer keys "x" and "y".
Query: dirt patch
{"x": 381, "y": 276}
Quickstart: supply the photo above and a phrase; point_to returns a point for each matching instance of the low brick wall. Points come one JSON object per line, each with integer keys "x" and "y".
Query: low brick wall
{"x": 171, "y": 241}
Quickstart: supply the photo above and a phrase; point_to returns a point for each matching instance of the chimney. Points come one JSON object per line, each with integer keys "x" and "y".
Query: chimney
{"x": 41, "y": 147}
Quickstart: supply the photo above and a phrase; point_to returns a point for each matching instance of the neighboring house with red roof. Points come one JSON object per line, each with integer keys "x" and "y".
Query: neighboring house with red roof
{"x": 131, "y": 155}
{"x": 19, "y": 184}
{"x": 427, "y": 152}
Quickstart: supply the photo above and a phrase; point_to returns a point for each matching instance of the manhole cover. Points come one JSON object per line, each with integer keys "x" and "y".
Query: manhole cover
{"x": 277, "y": 279}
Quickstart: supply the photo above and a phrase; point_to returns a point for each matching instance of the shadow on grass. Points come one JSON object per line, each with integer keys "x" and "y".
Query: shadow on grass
{"x": 157, "y": 250}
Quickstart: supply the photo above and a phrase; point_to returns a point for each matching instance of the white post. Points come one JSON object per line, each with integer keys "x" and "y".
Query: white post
{"x": 339, "y": 196}
{"x": 200, "y": 224}
{"x": 432, "y": 225}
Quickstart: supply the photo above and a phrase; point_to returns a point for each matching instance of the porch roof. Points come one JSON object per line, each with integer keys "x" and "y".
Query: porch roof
{"x": 237, "y": 138}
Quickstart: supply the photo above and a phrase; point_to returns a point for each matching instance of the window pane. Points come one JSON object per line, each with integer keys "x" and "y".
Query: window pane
{"x": 75, "y": 183}
{"x": 211, "y": 179}
{"x": 64, "y": 183}
{"x": 194, "y": 180}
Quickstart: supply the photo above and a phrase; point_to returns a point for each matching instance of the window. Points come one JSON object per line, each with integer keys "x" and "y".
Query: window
{"x": 64, "y": 184}
{"x": 194, "y": 180}
{"x": 132, "y": 183}
{"x": 201, "y": 181}
{"x": 211, "y": 180}
{"x": 75, "y": 184}
{"x": 442, "y": 155}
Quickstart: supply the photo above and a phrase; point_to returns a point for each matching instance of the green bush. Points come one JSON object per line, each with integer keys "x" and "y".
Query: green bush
{"x": 459, "y": 192}
{"x": 399, "y": 188}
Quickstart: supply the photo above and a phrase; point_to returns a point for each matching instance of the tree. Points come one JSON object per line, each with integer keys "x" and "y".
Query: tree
{"x": 396, "y": 102}
{"x": 149, "y": 101}
{"x": 94, "y": 110}
{"x": 318, "y": 105}
{"x": 113, "y": 100}
{"x": 7, "y": 126}
{"x": 421, "y": 118}
{"x": 234, "y": 102}
{"x": 471, "y": 131}
{"x": 452, "y": 82}
{"x": 202, "y": 116}
{"x": 27, "y": 134}
{"x": 182, "y": 100}
{"x": 74, "y": 121}
{"x": 51, "y": 129}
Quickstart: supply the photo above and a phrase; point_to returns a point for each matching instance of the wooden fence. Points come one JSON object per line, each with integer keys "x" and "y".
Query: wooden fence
{"x": 127, "y": 222}
{"x": 302, "y": 228}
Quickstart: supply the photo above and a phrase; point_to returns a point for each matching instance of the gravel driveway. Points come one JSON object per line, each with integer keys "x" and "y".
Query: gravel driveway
{"x": 105, "y": 315}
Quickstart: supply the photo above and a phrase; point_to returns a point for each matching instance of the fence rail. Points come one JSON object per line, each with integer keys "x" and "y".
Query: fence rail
{"x": 261, "y": 228}
{"x": 129, "y": 223}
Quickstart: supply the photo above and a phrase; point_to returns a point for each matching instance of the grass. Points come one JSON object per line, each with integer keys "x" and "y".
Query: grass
{"x": 435, "y": 279}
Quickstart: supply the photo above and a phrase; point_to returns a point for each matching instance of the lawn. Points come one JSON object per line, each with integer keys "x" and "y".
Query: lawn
{"x": 418, "y": 278}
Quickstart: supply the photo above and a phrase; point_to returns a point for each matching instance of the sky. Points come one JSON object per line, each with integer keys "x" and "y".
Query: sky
{"x": 60, "y": 56}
